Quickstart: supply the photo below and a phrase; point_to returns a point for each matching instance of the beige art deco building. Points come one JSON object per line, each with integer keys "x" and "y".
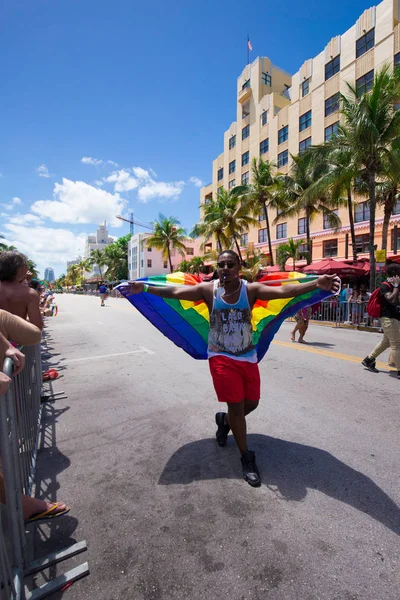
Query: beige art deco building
{"x": 279, "y": 114}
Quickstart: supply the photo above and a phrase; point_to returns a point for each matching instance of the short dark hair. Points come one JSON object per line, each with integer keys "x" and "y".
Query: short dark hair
{"x": 231, "y": 253}
{"x": 393, "y": 269}
{"x": 10, "y": 262}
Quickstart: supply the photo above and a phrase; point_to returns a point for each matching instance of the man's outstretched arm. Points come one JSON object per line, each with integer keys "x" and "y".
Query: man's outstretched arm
{"x": 185, "y": 292}
{"x": 330, "y": 283}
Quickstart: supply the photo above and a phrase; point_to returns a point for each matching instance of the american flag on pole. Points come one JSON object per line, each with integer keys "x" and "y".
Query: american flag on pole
{"x": 250, "y": 47}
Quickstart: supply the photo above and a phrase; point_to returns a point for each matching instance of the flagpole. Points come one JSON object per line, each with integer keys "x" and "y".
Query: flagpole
{"x": 248, "y": 50}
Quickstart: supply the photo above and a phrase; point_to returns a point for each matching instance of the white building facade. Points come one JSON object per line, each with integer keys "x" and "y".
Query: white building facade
{"x": 99, "y": 241}
{"x": 145, "y": 262}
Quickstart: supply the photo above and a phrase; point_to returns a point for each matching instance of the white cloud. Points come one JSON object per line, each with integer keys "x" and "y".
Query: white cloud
{"x": 43, "y": 171}
{"x": 16, "y": 200}
{"x": 12, "y": 204}
{"x": 97, "y": 162}
{"x": 160, "y": 189}
{"x": 122, "y": 180}
{"x": 142, "y": 173}
{"x": 196, "y": 181}
{"x": 46, "y": 246}
{"x": 79, "y": 202}
{"x": 25, "y": 219}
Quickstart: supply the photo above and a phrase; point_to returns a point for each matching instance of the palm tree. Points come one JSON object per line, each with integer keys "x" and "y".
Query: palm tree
{"x": 291, "y": 193}
{"x": 259, "y": 197}
{"x": 184, "y": 266}
{"x": 289, "y": 250}
{"x": 97, "y": 257}
{"x": 6, "y": 248}
{"x": 370, "y": 125}
{"x": 212, "y": 224}
{"x": 388, "y": 190}
{"x": 196, "y": 264}
{"x": 253, "y": 265}
{"x": 337, "y": 180}
{"x": 167, "y": 236}
{"x": 235, "y": 216}
{"x": 73, "y": 274}
{"x": 32, "y": 267}
{"x": 115, "y": 258}
{"x": 84, "y": 265}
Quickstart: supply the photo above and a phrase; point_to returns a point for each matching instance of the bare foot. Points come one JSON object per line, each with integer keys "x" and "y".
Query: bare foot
{"x": 301, "y": 341}
{"x": 35, "y": 506}
{"x": 292, "y": 337}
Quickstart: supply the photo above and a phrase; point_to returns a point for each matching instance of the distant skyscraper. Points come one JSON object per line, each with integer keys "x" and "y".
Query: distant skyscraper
{"x": 49, "y": 275}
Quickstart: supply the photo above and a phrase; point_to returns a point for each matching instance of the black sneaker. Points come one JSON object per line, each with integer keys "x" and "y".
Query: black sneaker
{"x": 398, "y": 374}
{"x": 223, "y": 429}
{"x": 369, "y": 363}
{"x": 251, "y": 473}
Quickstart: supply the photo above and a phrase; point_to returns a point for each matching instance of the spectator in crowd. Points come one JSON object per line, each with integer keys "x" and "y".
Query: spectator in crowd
{"x": 15, "y": 296}
{"x": 103, "y": 293}
{"x": 344, "y": 302}
{"x": 302, "y": 318}
{"x": 22, "y": 332}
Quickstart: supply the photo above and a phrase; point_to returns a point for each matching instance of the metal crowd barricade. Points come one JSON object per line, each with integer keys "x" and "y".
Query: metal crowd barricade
{"x": 20, "y": 416}
{"x": 344, "y": 313}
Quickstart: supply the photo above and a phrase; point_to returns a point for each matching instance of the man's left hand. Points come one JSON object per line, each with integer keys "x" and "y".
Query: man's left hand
{"x": 18, "y": 359}
{"x": 329, "y": 283}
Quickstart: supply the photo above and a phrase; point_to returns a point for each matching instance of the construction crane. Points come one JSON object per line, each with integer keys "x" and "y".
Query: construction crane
{"x": 132, "y": 222}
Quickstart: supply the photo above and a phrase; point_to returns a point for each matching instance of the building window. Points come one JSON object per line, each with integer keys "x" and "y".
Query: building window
{"x": 362, "y": 243}
{"x": 332, "y": 104}
{"x": 244, "y": 240}
{"x": 245, "y": 158}
{"x": 302, "y": 226}
{"x": 392, "y": 240}
{"x": 264, "y": 116}
{"x": 303, "y": 249}
{"x": 396, "y": 209}
{"x": 219, "y": 190}
{"x": 361, "y": 212}
{"x": 220, "y": 174}
{"x": 190, "y": 251}
{"x": 261, "y": 216}
{"x": 165, "y": 265}
{"x": 262, "y": 236}
{"x": 331, "y": 131}
{"x": 365, "y": 43}
{"x": 149, "y": 249}
{"x": 281, "y": 231}
{"x": 304, "y": 145}
{"x": 326, "y": 220}
{"x": 232, "y": 142}
{"x": 305, "y": 87}
{"x": 232, "y": 167}
{"x": 396, "y": 59}
{"x": 208, "y": 199}
{"x": 245, "y": 132}
{"x": 283, "y": 134}
{"x": 283, "y": 158}
{"x": 264, "y": 146}
{"x": 245, "y": 110}
{"x": 330, "y": 248}
{"x": 149, "y": 263}
{"x": 246, "y": 84}
{"x": 265, "y": 78}
{"x": 305, "y": 121}
{"x": 332, "y": 67}
{"x": 364, "y": 84}
{"x": 245, "y": 178}
{"x": 231, "y": 184}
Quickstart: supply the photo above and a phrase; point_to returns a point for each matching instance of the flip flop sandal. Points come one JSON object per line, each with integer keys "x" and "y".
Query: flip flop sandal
{"x": 49, "y": 513}
{"x": 50, "y": 375}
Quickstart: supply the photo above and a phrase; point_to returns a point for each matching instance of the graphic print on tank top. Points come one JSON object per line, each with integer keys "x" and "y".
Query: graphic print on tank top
{"x": 230, "y": 331}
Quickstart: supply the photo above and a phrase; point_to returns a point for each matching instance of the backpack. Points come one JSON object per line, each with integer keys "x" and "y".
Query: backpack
{"x": 374, "y": 306}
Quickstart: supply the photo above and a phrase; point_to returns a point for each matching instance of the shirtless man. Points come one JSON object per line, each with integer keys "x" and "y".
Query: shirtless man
{"x": 15, "y": 296}
{"x": 232, "y": 355}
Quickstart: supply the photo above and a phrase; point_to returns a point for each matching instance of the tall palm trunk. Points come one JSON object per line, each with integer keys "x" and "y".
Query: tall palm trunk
{"x": 351, "y": 221}
{"x": 238, "y": 251}
{"x": 268, "y": 233}
{"x": 372, "y": 211}
{"x": 101, "y": 274}
{"x": 308, "y": 236}
{"x": 169, "y": 258}
{"x": 219, "y": 248}
{"x": 387, "y": 213}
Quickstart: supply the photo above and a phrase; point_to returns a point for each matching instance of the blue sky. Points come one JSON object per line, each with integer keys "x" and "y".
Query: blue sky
{"x": 129, "y": 85}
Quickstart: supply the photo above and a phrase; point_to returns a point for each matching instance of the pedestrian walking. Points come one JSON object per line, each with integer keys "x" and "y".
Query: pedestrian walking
{"x": 390, "y": 321}
{"x": 302, "y": 318}
{"x": 103, "y": 294}
{"x": 232, "y": 355}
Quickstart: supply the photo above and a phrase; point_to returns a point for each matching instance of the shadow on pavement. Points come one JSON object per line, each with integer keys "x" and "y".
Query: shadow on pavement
{"x": 292, "y": 468}
{"x": 320, "y": 344}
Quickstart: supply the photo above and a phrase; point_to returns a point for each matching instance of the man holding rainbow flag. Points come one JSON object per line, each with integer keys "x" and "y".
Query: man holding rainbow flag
{"x": 235, "y": 343}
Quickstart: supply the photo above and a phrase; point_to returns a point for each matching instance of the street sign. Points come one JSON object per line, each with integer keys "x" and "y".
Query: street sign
{"x": 380, "y": 265}
{"x": 380, "y": 256}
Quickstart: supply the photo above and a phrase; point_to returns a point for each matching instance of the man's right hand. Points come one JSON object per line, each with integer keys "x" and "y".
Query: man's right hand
{"x": 4, "y": 383}
{"x": 136, "y": 287}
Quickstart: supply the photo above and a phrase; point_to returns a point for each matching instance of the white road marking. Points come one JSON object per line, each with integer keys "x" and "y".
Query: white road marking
{"x": 142, "y": 349}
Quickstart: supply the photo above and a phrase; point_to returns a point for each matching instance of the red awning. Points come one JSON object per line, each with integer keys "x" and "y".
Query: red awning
{"x": 330, "y": 267}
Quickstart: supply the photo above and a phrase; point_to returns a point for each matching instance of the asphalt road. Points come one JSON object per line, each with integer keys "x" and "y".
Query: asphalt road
{"x": 165, "y": 511}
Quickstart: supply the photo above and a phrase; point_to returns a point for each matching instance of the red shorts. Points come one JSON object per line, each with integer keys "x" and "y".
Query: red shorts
{"x": 235, "y": 380}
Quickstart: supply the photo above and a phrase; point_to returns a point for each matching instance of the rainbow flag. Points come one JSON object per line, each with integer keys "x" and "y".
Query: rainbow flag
{"x": 186, "y": 323}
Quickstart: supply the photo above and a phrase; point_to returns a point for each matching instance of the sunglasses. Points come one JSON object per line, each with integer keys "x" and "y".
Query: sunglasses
{"x": 230, "y": 265}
